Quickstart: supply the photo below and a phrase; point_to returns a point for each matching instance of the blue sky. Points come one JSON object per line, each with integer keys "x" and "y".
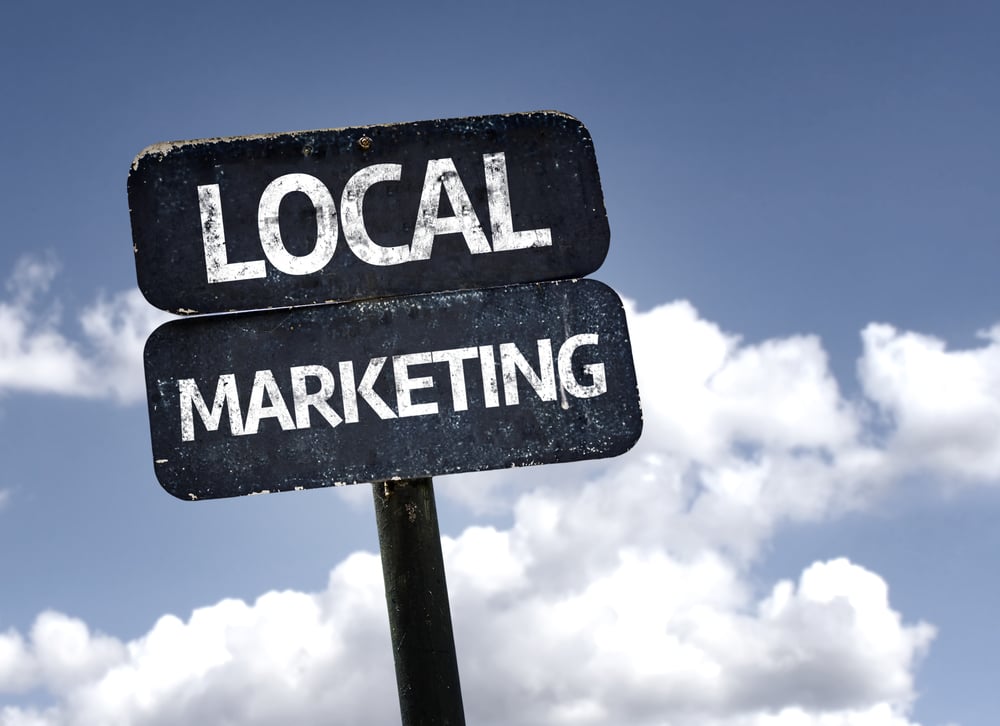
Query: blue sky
{"x": 803, "y": 200}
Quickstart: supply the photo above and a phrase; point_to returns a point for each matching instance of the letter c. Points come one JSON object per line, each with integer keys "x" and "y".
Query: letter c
{"x": 352, "y": 207}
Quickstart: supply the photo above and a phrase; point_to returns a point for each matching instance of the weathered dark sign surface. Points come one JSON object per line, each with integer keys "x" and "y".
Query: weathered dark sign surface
{"x": 412, "y": 386}
{"x": 289, "y": 219}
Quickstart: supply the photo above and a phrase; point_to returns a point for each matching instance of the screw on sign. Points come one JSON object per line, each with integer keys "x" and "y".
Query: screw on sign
{"x": 460, "y": 341}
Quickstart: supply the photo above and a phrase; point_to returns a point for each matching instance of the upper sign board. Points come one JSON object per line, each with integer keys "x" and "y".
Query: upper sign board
{"x": 405, "y": 387}
{"x": 298, "y": 218}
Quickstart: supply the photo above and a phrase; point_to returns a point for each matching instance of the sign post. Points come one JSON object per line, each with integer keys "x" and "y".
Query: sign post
{"x": 416, "y": 596}
{"x": 404, "y": 301}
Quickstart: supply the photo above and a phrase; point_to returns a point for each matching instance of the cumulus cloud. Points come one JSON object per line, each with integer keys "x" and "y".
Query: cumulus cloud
{"x": 289, "y": 657}
{"x": 620, "y": 591}
{"x": 648, "y": 640}
{"x": 747, "y": 435}
{"x": 37, "y": 356}
{"x": 942, "y": 406}
{"x": 709, "y": 391}
{"x": 62, "y": 654}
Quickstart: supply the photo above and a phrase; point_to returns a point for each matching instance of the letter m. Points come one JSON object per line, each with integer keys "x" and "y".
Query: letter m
{"x": 191, "y": 400}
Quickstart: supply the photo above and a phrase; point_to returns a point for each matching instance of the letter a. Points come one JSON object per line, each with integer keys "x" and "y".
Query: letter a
{"x": 442, "y": 174}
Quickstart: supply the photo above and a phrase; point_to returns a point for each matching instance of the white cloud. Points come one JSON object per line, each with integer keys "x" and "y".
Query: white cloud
{"x": 943, "y": 406}
{"x": 646, "y": 640}
{"x": 880, "y": 715}
{"x": 707, "y": 391}
{"x": 37, "y": 357}
{"x": 621, "y": 590}
{"x": 116, "y": 329}
{"x": 288, "y": 658}
{"x": 17, "y": 668}
{"x": 31, "y": 276}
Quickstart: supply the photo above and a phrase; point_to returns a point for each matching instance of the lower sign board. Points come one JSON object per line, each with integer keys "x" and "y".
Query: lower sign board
{"x": 397, "y": 387}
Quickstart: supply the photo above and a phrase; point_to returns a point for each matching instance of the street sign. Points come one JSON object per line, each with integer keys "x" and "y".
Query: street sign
{"x": 254, "y": 222}
{"x": 397, "y": 387}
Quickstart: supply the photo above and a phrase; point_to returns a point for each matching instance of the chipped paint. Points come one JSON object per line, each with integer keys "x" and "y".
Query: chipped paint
{"x": 411, "y": 511}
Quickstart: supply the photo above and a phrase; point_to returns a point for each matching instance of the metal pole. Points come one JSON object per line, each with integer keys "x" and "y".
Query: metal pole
{"x": 416, "y": 595}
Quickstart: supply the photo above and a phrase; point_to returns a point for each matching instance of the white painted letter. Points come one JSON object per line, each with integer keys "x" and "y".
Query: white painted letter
{"x": 544, "y": 382}
{"x": 501, "y": 220}
{"x": 352, "y": 208}
{"x": 318, "y": 400}
{"x": 225, "y": 397}
{"x": 442, "y": 174}
{"x": 570, "y": 384}
{"x": 366, "y": 388}
{"x": 488, "y": 366}
{"x": 405, "y": 384}
{"x": 264, "y": 381}
{"x": 270, "y": 231}
{"x": 213, "y": 235}
{"x": 456, "y": 368}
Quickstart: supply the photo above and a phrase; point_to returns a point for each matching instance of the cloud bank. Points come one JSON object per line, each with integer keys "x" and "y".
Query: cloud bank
{"x": 620, "y": 592}
{"x": 649, "y": 640}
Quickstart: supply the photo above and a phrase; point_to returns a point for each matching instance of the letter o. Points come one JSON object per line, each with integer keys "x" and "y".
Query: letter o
{"x": 270, "y": 231}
